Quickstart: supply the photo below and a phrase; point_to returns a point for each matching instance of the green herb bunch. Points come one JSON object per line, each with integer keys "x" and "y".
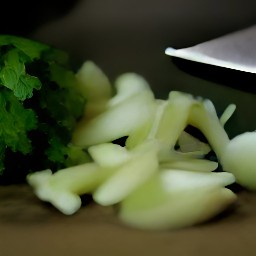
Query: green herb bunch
{"x": 39, "y": 107}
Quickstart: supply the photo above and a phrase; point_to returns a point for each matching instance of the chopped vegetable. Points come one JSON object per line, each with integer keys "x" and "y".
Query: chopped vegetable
{"x": 127, "y": 110}
{"x": 174, "y": 199}
{"x": 239, "y": 159}
{"x": 95, "y": 87}
{"x": 159, "y": 176}
{"x": 188, "y": 143}
{"x": 139, "y": 167}
{"x": 237, "y": 155}
{"x": 63, "y": 188}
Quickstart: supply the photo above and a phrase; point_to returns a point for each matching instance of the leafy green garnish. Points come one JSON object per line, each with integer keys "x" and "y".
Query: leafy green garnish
{"x": 31, "y": 49}
{"x": 15, "y": 122}
{"x": 13, "y": 76}
{"x": 39, "y": 105}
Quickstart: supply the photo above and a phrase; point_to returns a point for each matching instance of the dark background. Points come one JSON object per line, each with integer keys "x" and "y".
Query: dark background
{"x": 122, "y": 36}
{"x": 136, "y": 26}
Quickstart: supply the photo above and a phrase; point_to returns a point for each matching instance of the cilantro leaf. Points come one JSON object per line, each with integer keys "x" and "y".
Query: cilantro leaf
{"x": 13, "y": 76}
{"x": 30, "y": 48}
{"x": 15, "y": 122}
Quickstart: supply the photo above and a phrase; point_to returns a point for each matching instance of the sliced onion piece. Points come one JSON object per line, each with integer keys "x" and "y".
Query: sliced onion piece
{"x": 148, "y": 130}
{"x": 63, "y": 188}
{"x": 129, "y": 177}
{"x": 116, "y": 122}
{"x": 154, "y": 206}
{"x": 93, "y": 83}
{"x": 174, "y": 118}
{"x": 108, "y": 154}
{"x": 200, "y": 165}
{"x": 228, "y": 112}
{"x": 181, "y": 180}
{"x": 95, "y": 87}
{"x": 189, "y": 143}
{"x": 127, "y": 85}
{"x": 239, "y": 159}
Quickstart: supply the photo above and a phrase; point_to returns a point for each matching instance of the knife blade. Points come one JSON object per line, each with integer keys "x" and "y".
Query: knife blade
{"x": 236, "y": 50}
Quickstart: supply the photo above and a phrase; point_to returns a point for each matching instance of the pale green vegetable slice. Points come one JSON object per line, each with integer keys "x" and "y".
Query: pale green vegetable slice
{"x": 191, "y": 164}
{"x": 95, "y": 87}
{"x": 239, "y": 157}
{"x": 133, "y": 173}
{"x": 80, "y": 179}
{"x": 128, "y": 85}
{"x": 148, "y": 130}
{"x": 117, "y": 121}
{"x": 204, "y": 117}
{"x": 228, "y": 112}
{"x": 181, "y": 180}
{"x": 109, "y": 154}
{"x": 63, "y": 188}
{"x": 129, "y": 109}
{"x": 174, "y": 118}
{"x": 155, "y": 206}
{"x": 170, "y": 119}
{"x": 189, "y": 143}
{"x": 93, "y": 83}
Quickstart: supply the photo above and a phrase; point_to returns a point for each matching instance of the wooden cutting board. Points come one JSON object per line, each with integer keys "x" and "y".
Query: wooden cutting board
{"x": 31, "y": 227}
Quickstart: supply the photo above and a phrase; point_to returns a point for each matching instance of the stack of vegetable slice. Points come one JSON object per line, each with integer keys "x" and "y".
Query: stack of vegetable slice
{"x": 160, "y": 177}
